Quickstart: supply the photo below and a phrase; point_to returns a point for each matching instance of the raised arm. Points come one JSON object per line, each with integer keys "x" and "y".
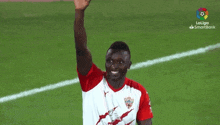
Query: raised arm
{"x": 83, "y": 55}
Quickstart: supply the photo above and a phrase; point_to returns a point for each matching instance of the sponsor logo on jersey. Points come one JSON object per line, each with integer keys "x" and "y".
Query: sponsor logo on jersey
{"x": 105, "y": 93}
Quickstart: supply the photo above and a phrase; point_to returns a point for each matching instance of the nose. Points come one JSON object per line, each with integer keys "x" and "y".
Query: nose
{"x": 115, "y": 66}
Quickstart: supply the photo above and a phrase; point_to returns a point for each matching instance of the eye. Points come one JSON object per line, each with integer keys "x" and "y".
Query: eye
{"x": 109, "y": 61}
{"x": 121, "y": 62}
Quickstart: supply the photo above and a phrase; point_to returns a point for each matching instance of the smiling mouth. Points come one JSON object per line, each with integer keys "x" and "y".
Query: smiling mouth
{"x": 114, "y": 72}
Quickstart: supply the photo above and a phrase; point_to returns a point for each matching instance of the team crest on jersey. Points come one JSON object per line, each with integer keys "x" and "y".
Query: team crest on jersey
{"x": 128, "y": 102}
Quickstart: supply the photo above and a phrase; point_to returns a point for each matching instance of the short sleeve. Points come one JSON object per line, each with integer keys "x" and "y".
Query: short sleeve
{"x": 93, "y": 77}
{"x": 145, "y": 111}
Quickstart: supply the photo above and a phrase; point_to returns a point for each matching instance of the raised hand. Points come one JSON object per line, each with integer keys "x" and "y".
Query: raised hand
{"x": 81, "y": 4}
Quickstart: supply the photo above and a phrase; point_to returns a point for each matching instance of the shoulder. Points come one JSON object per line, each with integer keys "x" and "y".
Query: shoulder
{"x": 91, "y": 79}
{"x": 136, "y": 85}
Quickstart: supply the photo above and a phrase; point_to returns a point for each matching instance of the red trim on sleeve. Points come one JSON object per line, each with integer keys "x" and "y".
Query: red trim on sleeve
{"x": 93, "y": 77}
{"x": 144, "y": 111}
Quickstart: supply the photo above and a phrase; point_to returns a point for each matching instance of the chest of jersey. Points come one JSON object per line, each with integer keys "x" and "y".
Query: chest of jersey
{"x": 103, "y": 106}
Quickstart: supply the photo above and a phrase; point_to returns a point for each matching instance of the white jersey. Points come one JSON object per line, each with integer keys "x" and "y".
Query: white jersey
{"x": 104, "y": 105}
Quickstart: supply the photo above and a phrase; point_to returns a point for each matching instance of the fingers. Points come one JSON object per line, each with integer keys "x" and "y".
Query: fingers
{"x": 88, "y": 0}
{"x": 81, "y": 4}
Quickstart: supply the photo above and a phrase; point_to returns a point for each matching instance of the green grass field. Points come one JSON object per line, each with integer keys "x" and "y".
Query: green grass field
{"x": 37, "y": 49}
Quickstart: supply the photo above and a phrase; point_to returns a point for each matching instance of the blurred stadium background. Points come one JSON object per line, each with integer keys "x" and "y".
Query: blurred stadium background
{"x": 37, "y": 49}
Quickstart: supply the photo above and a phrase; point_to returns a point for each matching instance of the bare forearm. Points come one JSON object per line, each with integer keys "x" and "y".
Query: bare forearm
{"x": 145, "y": 122}
{"x": 79, "y": 30}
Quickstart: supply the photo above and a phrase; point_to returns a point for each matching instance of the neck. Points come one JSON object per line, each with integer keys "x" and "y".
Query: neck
{"x": 116, "y": 83}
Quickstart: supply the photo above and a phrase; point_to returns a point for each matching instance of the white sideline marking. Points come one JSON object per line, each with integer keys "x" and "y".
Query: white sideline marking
{"x": 175, "y": 56}
{"x": 136, "y": 66}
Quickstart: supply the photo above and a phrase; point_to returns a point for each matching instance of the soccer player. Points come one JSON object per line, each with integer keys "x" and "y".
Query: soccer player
{"x": 109, "y": 98}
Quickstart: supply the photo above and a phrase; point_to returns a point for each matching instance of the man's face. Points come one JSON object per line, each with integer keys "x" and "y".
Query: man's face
{"x": 117, "y": 63}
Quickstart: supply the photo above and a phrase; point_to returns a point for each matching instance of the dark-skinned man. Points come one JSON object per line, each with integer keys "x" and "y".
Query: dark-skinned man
{"x": 109, "y": 98}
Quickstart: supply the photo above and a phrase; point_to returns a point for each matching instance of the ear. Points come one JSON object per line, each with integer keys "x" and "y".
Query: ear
{"x": 129, "y": 65}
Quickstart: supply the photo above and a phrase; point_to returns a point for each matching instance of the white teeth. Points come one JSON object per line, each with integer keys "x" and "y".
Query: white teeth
{"x": 114, "y": 72}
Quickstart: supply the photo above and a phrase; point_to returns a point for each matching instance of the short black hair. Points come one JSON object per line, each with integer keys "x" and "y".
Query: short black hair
{"x": 120, "y": 45}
